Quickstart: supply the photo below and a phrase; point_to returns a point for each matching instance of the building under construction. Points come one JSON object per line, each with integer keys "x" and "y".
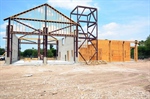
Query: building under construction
{"x": 75, "y": 37}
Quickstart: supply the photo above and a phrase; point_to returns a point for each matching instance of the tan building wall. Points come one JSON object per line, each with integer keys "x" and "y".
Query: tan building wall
{"x": 108, "y": 50}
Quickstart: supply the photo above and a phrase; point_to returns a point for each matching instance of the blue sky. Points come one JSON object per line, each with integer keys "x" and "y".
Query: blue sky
{"x": 118, "y": 19}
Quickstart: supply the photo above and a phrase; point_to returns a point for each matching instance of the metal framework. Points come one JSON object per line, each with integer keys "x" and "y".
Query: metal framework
{"x": 87, "y": 29}
{"x": 48, "y": 22}
{"x": 43, "y": 21}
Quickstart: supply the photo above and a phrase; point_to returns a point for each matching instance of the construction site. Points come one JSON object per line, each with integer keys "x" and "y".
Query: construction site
{"x": 84, "y": 67}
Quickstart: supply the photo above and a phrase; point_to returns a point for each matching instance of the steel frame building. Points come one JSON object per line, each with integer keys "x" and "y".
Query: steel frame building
{"x": 53, "y": 23}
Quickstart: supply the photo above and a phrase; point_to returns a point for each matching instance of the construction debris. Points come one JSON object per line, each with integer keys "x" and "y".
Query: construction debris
{"x": 96, "y": 62}
{"x": 28, "y": 75}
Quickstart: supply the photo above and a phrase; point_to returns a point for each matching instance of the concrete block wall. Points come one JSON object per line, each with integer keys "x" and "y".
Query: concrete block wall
{"x": 15, "y": 48}
{"x": 66, "y": 49}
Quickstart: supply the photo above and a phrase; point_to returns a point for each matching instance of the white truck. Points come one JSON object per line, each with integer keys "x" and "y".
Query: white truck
{"x": 2, "y": 57}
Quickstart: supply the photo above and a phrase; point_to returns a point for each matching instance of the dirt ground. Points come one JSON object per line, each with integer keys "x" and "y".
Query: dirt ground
{"x": 129, "y": 80}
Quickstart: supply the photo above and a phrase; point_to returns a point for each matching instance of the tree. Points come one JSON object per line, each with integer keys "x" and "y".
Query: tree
{"x": 49, "y": 53}
{"x": 147, "y": 44}
{"x": 141, "y": 43}
{"x": 27, "y": 53}
{"x": 2, "y": 51}
{"x": 141, "y": 52}
{"x": 34, "y": 53}
{"x": 144, "y": 48}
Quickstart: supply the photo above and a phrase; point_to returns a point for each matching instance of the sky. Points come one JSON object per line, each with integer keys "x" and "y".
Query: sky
{"x": 117, "y": 19}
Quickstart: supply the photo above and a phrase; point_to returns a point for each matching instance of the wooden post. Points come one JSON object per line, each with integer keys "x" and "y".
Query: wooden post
{"x": 110, "y": 54}
{"x": 136, "y": 51}
{"x": 123, "y": 51}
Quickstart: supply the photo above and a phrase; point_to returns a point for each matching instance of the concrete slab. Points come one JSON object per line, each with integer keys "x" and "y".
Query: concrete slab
{"x": 40, "y": 62}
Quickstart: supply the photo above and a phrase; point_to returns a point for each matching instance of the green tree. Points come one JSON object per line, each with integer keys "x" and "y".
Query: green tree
{"x": 144, "y": 48}
{"x": 147, "y": 44}
{"x": 132, "y": 53}
{"x": 141, "y": 51}
{"x": 27, "y": 53}
{"x": 49, "y": 53}
{"x": 141, "y": 43}
{"x": 34, "y": 53}
{"x": 2, "y": 51}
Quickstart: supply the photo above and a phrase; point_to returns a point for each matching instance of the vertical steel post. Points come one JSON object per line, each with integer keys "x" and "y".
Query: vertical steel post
{"x": 57, "y": 48}
{"x": 19, "y": 49}
{"x": 77, "y": 35}
{"x": 39, "y": 47}
{"x": 11, "y": 45}
{"x": 96, "y": 35}
{"x": 8, "y": 38}
{"x": 45, "y": 42}
{"x": 74, "y": 48}
{"x": 45, "y": 29}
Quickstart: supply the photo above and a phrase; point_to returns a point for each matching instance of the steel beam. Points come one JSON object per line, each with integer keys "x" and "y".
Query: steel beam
{"x": 39, "y": 20}
{"x": 11, "y": 45}
{"x": 39, "y": 46}
{"x": 45, "y": 42}
{"x": 31, "y": 33}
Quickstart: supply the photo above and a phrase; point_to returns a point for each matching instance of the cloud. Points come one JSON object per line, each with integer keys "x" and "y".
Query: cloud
{"x": 71, "y": 4}
{"x": 129, "y": 31}
{"x": 111, "y": 26}
{"x": 3, "y": 26}
{"x": 2, "y": 33}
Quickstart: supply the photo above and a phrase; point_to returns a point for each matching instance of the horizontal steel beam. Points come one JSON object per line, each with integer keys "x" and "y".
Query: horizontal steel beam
{"x": 87, "y": 21}
{"x": 35, "y": 43}
{"x": 51, "y": 21}
{"x": 87, "y": 38}
{"x": 79, "y": 14}
{"x": 86, "y": 7}
{"x": 31, "y": 33}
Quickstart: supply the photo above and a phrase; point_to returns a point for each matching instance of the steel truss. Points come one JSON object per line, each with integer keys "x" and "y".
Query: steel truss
{"x": 89, "y": 16}
{"x": 56, "y": 24}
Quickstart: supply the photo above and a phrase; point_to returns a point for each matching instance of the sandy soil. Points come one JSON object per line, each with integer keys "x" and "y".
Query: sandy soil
{"x": 129, "y": 80}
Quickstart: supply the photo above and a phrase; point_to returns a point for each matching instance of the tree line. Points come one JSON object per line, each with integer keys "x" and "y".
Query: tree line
{"x": 143, "y": 49}
{"x": 33, "y": 53}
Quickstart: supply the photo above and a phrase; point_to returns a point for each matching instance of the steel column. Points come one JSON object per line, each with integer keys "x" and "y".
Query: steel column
{"x": 19, "y": 49}
{"x": 8, "y": 37}
{"x": 39, "y": 47}
{"x": 57, "y": 48}
{"x": 45, "y": 42}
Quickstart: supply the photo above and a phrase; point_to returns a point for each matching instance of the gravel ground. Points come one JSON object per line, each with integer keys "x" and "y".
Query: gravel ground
{"x": 129, "y": 80}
